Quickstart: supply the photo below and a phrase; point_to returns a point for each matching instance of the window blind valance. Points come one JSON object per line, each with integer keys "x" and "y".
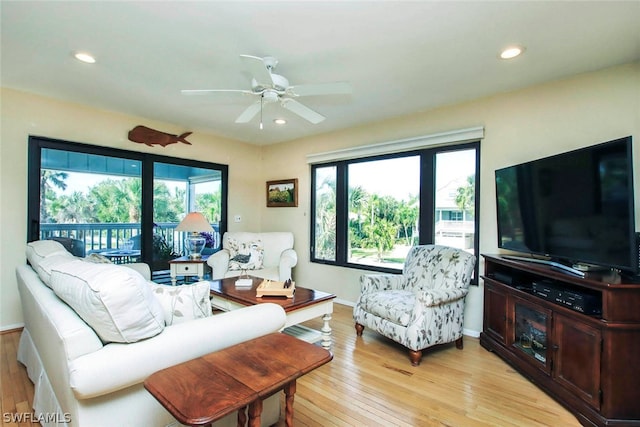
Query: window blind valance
{"x": 400, "y": 145}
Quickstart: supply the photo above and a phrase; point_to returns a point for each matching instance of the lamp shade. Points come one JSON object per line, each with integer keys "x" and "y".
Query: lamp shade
{"x": 195, "y": 222}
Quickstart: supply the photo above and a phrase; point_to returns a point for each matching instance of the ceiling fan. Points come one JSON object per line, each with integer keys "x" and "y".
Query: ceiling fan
{"x": 271, "y": 88}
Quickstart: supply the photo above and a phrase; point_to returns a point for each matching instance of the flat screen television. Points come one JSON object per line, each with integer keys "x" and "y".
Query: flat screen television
{"x": 575, "y": 208}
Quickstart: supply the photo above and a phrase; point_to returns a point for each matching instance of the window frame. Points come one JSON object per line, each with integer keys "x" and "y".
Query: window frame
{"x": 37, "y": 143}
{"x": 427, "y": 204}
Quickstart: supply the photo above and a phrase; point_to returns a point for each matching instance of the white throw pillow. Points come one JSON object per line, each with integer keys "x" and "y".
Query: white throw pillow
{"x": 41, "y": 249}
{"x": 245, "y": 255}
{"x": 183, "y": 303}
{"x": 114, "y": 300}
{"x": 44, "y": 267}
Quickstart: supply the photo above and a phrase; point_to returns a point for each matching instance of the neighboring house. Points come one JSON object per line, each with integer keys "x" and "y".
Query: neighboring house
{"x": 454, "y": 226}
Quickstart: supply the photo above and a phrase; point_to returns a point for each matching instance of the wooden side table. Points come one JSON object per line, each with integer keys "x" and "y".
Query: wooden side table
{"x": 203, "y": 390}
{"x": 187, "y": 267}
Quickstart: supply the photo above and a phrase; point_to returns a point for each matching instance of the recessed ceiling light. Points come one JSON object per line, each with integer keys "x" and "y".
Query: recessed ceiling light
{"x": 84, "y": 57}
{"x": 280, "y": 121}
{"x": 511, "y": 52}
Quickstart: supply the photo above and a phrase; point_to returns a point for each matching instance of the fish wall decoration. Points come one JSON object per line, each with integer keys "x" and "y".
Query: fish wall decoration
{"x": 151, "y": 137}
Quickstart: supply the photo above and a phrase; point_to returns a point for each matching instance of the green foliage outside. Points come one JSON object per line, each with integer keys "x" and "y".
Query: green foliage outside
{"x": 466, "y": 196}
{"x": 119, "y": 201}
{"x": 325, "y": 220}
{"x": 116, "y": 201}
{"x": 377, "y": 224}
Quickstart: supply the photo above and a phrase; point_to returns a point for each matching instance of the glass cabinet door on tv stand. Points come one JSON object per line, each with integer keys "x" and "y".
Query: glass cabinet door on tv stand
{"x": 582, "y": 354}
{"x": 529, "y": 334}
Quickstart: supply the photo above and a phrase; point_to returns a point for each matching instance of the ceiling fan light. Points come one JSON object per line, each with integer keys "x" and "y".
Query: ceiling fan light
{"x": 84, "y": 57}
{"x": 511, "y": 52}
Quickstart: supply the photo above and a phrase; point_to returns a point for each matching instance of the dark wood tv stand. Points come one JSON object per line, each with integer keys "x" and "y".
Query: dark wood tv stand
{"x": 589, "y": 362}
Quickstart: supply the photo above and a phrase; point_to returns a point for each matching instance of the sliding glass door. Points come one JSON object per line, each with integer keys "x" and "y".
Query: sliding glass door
{"x": 120, "y": 204}
{"x": 90, "y": 199}
{"x": 178, "y": 190}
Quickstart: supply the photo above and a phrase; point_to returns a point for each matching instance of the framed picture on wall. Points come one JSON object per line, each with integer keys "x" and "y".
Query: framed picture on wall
{"x": 282, "y": 193}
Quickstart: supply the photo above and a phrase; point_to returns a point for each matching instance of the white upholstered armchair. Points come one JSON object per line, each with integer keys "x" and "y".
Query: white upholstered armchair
{"x": 269, "y": 255}
{"x": 423, "y": 306}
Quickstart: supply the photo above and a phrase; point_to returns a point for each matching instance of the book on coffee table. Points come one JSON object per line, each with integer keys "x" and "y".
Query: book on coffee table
{"x": 244, "y": 283}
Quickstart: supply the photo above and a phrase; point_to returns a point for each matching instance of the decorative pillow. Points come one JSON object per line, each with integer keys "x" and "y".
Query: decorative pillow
{"x": 245, "y": 255}
{"x": 114, "y": 300}
{"x": 41, "y": 249}
{"x": 98, "y": 259}
{"x": 183, "y": 303}
{"x": 44, "y": 267}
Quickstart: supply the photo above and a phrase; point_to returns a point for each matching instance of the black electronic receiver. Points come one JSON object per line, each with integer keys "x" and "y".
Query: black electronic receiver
{"x": 576, "y": 300}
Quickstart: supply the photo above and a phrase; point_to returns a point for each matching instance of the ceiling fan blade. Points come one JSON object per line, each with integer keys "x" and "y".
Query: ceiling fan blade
{"x": 249, "y": 113}
{"x": 208, "y": 91}
{"x": 258, "y": 69}
{"x": 336, "y": 88}
{"x": 302, "y": 110}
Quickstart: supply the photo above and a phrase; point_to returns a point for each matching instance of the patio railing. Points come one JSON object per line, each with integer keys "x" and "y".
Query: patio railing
{"x": 99, "y": 237}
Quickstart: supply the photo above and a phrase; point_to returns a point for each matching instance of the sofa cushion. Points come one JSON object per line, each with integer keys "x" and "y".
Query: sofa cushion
{"x": 114, "y": 300}
{"x": 43, "y": 255}
{"x": 245, "y": 255}
{"x": 183, "y": 303}
{"x": 41, "y": 249}
{"x": 44, "y": 266}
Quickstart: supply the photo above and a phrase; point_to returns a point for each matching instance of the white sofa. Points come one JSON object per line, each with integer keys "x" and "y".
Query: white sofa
{"x": 270, "y": 255}
{"x": 80, "y": 380}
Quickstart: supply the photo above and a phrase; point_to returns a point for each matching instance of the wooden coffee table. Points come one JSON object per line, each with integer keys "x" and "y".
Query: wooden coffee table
{"x": 206, "y": 389}
{"x": 306, "y": 304}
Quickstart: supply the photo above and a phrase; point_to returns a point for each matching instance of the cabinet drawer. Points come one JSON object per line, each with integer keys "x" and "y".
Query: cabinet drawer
{"x": 189, "y": 269}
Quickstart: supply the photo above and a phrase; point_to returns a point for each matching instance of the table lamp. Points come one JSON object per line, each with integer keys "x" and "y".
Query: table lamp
{"x": 194, "y": 223}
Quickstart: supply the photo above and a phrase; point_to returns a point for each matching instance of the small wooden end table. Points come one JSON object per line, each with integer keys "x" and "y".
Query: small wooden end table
{"x": 187, "y": 267}
{"x": 203, "y": 390}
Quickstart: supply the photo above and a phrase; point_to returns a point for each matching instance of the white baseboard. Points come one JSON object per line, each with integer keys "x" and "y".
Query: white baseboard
{"x": 471, "y": 333}
{"x": 4, "y": 328}
{"x": 344, "y": 302}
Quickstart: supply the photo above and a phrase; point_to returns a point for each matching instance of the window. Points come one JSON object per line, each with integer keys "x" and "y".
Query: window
{"x": 113, "y": 201}
{"x": 368, "y": 212}
{"x": 383, "y": 210}
{"x": 324, "y": 226}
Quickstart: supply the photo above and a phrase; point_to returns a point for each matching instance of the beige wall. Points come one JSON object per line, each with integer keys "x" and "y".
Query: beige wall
{"x": 24, "y": 114}
{"x": 519, "y": 126}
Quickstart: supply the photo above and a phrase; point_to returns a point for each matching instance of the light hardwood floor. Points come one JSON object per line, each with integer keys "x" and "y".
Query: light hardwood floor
{"x": 370, "y": 382}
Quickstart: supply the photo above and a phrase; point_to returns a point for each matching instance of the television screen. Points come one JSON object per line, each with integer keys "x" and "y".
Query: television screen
{"x": 575, "y": 207}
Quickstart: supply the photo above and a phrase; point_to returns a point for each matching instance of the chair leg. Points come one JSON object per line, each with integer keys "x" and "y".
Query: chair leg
{"x": 415, "y": 357}
{"x": 359, "y": 329}
{"x": 459, "y": 343}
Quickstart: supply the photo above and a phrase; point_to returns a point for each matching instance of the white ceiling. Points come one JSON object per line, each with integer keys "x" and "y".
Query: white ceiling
{"x": 400, "y": 57}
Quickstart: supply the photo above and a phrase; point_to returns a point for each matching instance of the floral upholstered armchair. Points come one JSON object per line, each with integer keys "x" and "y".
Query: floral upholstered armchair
{"x": 423, "y": 306}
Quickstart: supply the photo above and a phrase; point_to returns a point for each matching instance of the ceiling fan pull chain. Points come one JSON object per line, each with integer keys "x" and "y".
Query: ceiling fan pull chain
{"x": 261, "y": 104}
